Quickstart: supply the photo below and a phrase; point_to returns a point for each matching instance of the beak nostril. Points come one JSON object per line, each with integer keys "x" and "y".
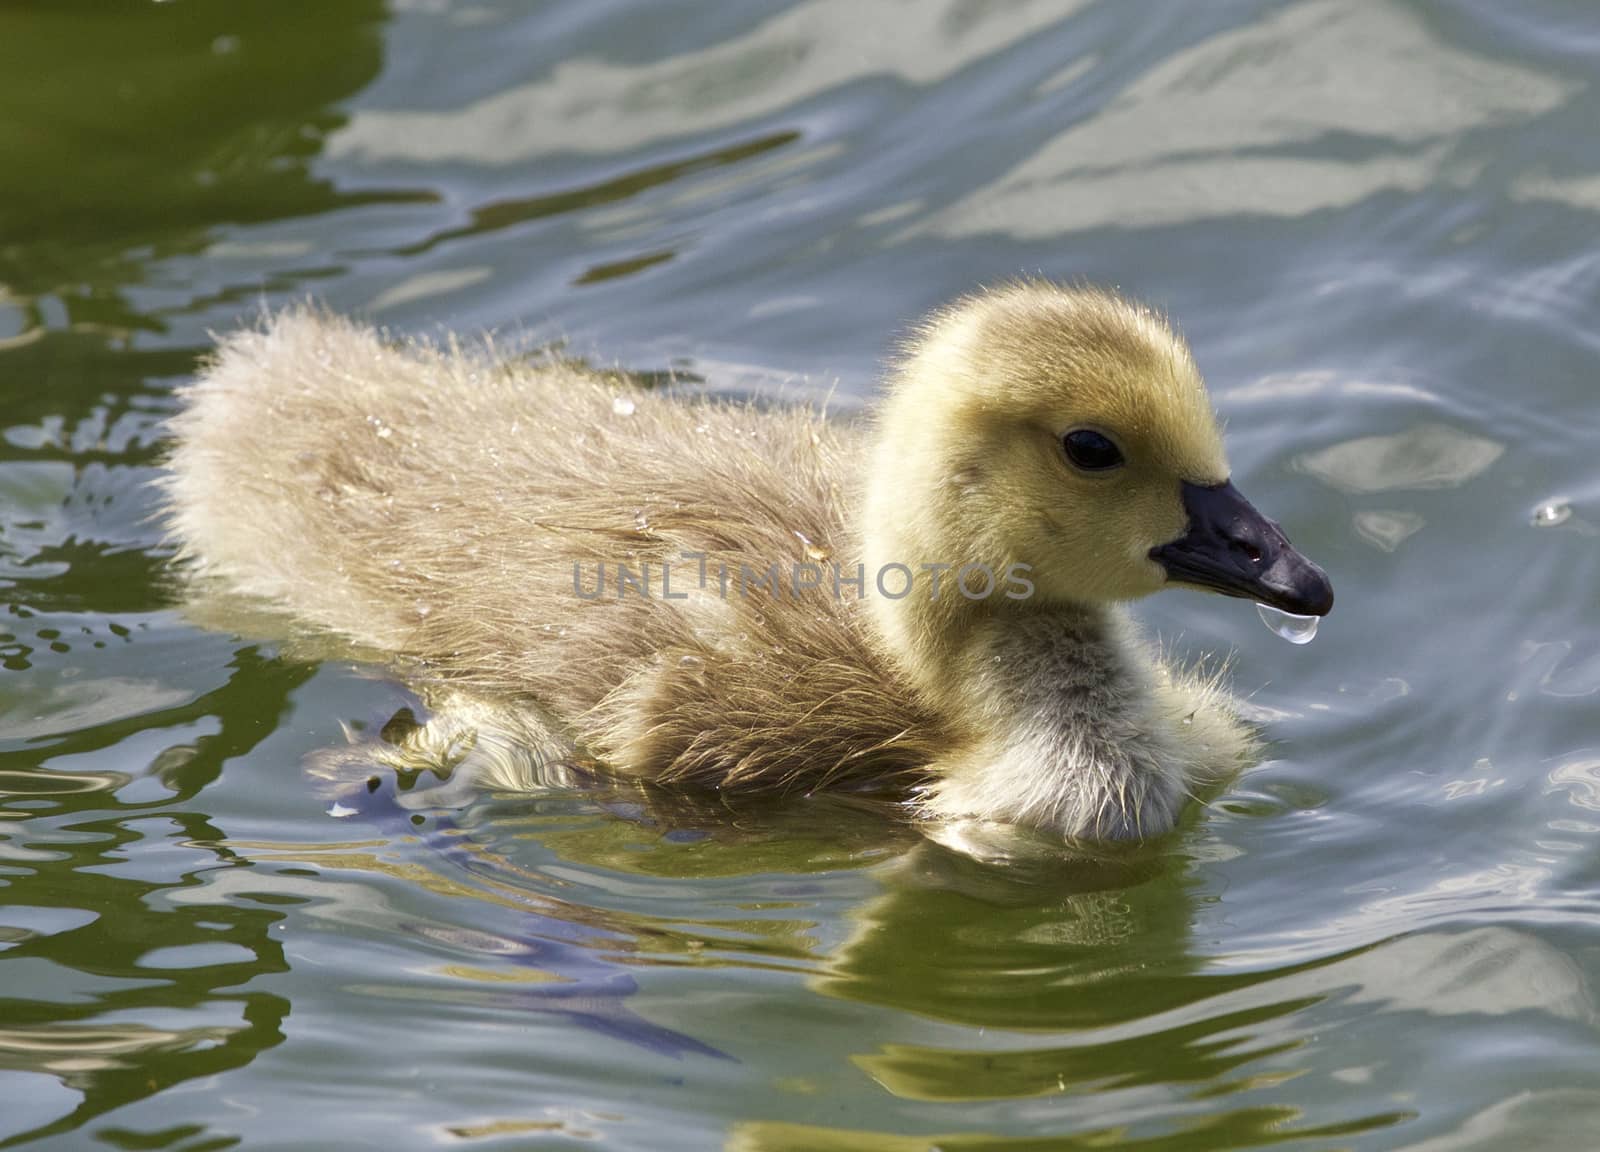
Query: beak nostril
{"x": 1233, "y": 549}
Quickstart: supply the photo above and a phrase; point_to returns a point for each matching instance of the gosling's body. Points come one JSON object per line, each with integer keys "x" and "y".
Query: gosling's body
{"x": 454, "y": 511}
{"x": 434, "y": 505}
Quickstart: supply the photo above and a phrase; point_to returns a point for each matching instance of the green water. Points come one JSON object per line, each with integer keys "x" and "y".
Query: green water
{"x": 1375, "y": 222}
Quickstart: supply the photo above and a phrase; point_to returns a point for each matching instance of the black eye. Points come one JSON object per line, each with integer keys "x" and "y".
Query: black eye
{"x": 1089, "y": 450}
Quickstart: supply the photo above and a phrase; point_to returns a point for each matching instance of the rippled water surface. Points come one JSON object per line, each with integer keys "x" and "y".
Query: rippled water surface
{"x": 1375, "y": 222}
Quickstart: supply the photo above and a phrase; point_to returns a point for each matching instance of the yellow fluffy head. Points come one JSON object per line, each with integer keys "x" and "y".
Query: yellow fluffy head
{"x": 973, "y": 462}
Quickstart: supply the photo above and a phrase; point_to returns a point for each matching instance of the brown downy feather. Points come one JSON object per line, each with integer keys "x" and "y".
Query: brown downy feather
{"x": 432, "y": 503}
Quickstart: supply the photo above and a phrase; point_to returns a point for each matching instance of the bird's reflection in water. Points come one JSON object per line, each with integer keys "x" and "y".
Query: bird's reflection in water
{"x": 557, "y": 961}
{"x": 428, "y": 780}
{"x": 980, "y": 924}
{"x": 1070, "y": 971}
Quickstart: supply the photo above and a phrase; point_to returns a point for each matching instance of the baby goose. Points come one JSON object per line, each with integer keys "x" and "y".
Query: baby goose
{"x": 943, "y": 616}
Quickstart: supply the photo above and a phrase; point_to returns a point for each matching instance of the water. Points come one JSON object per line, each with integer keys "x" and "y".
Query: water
{"x": 1375, "y": 224}
{"x": 1551, "y": 513}
{"x": 1294, "y": 629}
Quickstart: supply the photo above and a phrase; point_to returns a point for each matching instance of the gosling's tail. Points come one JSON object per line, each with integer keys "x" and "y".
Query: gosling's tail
{"x": 260, "y": 465}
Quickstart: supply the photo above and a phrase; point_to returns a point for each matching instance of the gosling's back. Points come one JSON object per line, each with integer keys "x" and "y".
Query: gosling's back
{"x": 433, "y": 503}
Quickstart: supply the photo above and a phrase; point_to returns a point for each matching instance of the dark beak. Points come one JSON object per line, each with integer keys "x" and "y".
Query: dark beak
{"x": 1233, "y": 549}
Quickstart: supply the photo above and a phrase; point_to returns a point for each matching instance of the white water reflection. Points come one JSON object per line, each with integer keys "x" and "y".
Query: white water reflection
{"x": 425, "y": 285}
{"x": 1562, "y": 1118}
{"x": 1425, "y": 457}
{"x": 1574, "y": 191}
{"x": 1241, "y": 123}
{"x": 1491, "y": 971}
{"x": 57, "y": 705}
{"x": 1387, "y": 528}
{"x": 596, "y": 106}
{"x": 1280, "y": 386}
{"x": 1579, "y": 777}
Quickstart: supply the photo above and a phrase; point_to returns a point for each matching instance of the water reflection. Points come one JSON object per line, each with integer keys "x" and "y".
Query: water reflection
{"x": 1317, "y": 107}
{"x": 71, "y": 850}
{"x": 1428, "y": 456}
{"x": 1065, "y": 976}
{"x": 118, "y": 101}
{"x": 595, "y": 105}
{"x": 1388, "y": 528}
{"x": 1241, "y": 1128}
{"x": 1373, "y": 220}
{"x": 112, "y": 163}
{"x": 494, "y": 216}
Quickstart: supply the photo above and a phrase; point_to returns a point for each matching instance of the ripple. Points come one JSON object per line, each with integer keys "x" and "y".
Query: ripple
{"x": 32, "y": 1101}
{"x": 1387, "y": 528}
{"x": 427, "y": 285}
{"x": 1371, "y": 215}
{"x": 20, "y": 922}
{"x": 72, "y": 705}
{"x": 196, "y": 956}
{"x": 1579, "y": 779}
{"x": 1429, "y": 456}
{"x": 51, "y": 783}
{"x": 1230, "y": 126}
{"x": 593, "y": 105}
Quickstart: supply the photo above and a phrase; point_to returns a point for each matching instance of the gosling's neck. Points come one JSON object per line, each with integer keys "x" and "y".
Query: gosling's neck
{"x": 1059, "y": 725}
{"x": 1053, "y": 705}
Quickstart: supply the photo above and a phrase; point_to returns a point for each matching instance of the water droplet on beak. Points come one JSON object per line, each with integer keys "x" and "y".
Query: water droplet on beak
{"x": 1294, "y": 629}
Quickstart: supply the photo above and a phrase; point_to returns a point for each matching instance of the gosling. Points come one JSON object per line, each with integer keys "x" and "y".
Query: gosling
{"x": 717, "y": 595}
